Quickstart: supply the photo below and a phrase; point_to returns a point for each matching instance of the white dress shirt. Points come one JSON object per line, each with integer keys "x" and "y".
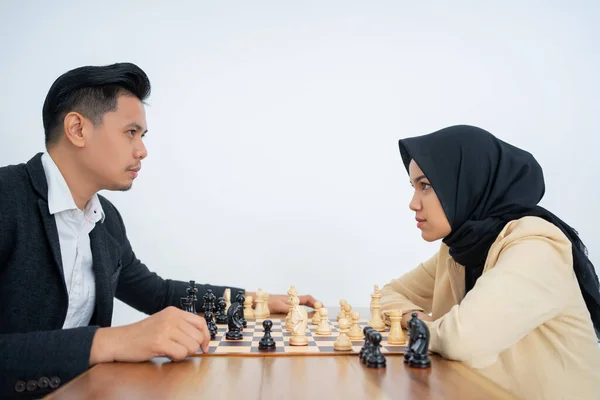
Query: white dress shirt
{"x": 74, "y": 227}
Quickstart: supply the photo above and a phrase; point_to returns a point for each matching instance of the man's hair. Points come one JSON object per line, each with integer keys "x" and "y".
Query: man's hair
{"x": 91, "y": 91}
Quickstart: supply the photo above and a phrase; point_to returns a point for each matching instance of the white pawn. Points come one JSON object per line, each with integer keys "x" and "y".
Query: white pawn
{"x": 355, "y": 332}
{"x": 324, "y": 329}
{"x": 343, "y": 343}
{"x": 342, "y": 313}
{"x": 248, "y": 311}
{"x": 317, "y": 315}
{"x": 259, "y": 309}
{"x": 396, "y": 336}
{"x": 348, "y": 311}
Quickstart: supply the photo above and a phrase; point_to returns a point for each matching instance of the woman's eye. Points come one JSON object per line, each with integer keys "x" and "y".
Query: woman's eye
{"x": 425, "y": 186}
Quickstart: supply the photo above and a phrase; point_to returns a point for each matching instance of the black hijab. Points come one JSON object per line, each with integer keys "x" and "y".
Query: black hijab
{"x": 483, "y": 183}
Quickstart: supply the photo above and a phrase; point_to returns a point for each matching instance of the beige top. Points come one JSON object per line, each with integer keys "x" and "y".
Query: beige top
{"x": 524, "y": 325}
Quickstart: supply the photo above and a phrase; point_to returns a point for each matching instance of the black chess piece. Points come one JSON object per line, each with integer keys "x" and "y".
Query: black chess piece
{"x": 221, "y": 315}
{"x": 241, "y": 298}
{"x": 186, "y": 304}
{"x": 375, "y": 359}
{"x": 234, "y": 322}
{"x": 192, "y": 290}
{"x": 212, "y": 327}
{"x": 419, "y": 347}
{"x": 206, "y": 303}
{"x": 412, "y": 336}
{"x": 267, "y": 342}
{"x": 364, "y": 351}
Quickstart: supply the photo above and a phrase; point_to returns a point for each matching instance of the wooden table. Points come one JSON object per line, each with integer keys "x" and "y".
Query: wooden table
{"x": 242, "y": 377}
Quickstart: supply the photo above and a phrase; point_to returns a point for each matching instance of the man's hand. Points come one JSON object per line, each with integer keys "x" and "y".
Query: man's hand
{"x": 407, "y": 316}
{"x": 171, "y": 333}
{"x": 280, "y": 303}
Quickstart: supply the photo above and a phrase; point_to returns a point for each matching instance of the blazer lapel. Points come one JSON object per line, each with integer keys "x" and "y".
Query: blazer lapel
{"x": 52, "y": 234}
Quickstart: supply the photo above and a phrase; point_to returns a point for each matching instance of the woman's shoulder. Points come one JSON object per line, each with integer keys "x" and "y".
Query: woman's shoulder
{"x": 532, "y": 226}
{"x": 535, "y": 234}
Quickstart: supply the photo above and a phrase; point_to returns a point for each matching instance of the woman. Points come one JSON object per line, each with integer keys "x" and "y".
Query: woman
{"x": 511, "y": 291}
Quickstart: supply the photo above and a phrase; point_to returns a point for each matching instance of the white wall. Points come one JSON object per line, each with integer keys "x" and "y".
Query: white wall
{"x": 273, "y": 153}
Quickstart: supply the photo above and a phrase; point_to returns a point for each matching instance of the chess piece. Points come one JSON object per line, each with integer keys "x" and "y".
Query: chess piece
{"x": 411, "y": 339}
{"x": 192, "y": 290}
{"x": 267, "y": 342}
{"x": 299, "y": 320}
{"x": 212, "y": 327}
{"x": 419, "y": 348}
{"x": 241, "y": 298}
{"x": 291, "y": 293}
{"x": 376, "y": 321}
{"x": 317, "y": 315}
{"x": 234, "y": 322}
{"x": 227, "y": 297}
{"x": 209, "y": 301}
{"x": 396, "y": 336}
{"x": 355, "y": 333}
{"x": 248, "y": 311}
{"x": 343, "y": 343}
{"x": 342, "y": 313}
{"x": 375, "y": 359}
{"x": 186, "y": 304}
{"x": 260, "y": 311}
{"x": 324, "y": 329}
{"x": 267, "y": 305}
{"x": 221, "y": 315}
{"x": 366, "y": 348}
{"x": 348, "y": 311}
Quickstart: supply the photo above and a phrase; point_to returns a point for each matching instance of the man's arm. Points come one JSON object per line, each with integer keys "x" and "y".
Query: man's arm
{"x": 42, "y": 361}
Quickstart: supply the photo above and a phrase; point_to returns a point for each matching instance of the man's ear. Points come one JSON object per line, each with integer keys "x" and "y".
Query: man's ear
{"x": 74, "y": 126}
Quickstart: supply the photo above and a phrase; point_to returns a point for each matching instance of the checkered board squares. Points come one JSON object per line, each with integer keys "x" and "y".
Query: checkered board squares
{"x": 317, "y": 345}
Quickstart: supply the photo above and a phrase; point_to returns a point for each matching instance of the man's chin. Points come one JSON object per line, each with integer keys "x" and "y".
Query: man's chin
{"x": 121, "y": 187}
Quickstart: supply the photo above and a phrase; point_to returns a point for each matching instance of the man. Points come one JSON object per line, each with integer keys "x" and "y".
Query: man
{"x": 64, "y": 252}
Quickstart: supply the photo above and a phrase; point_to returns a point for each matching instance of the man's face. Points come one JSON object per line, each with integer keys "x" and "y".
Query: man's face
{"x": 114, "y": 148}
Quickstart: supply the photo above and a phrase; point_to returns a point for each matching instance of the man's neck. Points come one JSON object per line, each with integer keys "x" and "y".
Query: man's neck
{"x": 79, "y": 185}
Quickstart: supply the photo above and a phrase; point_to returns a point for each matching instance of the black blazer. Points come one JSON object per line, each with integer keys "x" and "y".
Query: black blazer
{"x": 36, "y": 354}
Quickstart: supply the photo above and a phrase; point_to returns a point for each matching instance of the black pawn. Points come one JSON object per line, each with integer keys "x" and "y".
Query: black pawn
{"x": 364, "y": 351}
{"x": 267, "y": 342}
{"x": 212, "y": 327}
{"x": 375, "y": 359}
{"x": 221, "y": 315}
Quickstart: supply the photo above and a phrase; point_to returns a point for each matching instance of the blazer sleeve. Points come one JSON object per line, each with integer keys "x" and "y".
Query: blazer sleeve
{"x": 413, "y": 291}
{"x": 43, "y": 358}
{"x": 525, "y": 288}
{"x": 148, "y": 292}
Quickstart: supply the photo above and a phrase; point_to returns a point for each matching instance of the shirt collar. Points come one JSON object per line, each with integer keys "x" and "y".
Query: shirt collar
{"x": 60, "y": 197}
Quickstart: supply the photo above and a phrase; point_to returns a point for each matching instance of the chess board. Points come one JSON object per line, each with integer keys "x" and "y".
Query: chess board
{"x": 317, "y": 345}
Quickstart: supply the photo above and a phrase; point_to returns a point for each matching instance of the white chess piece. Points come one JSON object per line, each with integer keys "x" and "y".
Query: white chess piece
{"x": 342, "y": 313}
{"x": 317, "y": 315}
{"x": 259, "y": 309}
{"x": 355, "y": 332}
{"x": 324, "y": 329}
{"x": 348, "y": 311}
{"x": 248, "y": 311}
{"x": 396, "y": 336}
{"x": 227, "y": 296}
{"x": 343, "y": 343}
{"x": 299, "y": 320}
{"x": 376, "y": 321}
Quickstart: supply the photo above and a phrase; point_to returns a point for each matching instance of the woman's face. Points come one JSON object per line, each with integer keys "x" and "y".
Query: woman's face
{"x": 430, "y": 216}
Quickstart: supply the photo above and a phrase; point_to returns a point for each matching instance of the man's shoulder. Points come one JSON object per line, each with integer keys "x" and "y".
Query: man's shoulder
{"x": 14, "y": 183}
